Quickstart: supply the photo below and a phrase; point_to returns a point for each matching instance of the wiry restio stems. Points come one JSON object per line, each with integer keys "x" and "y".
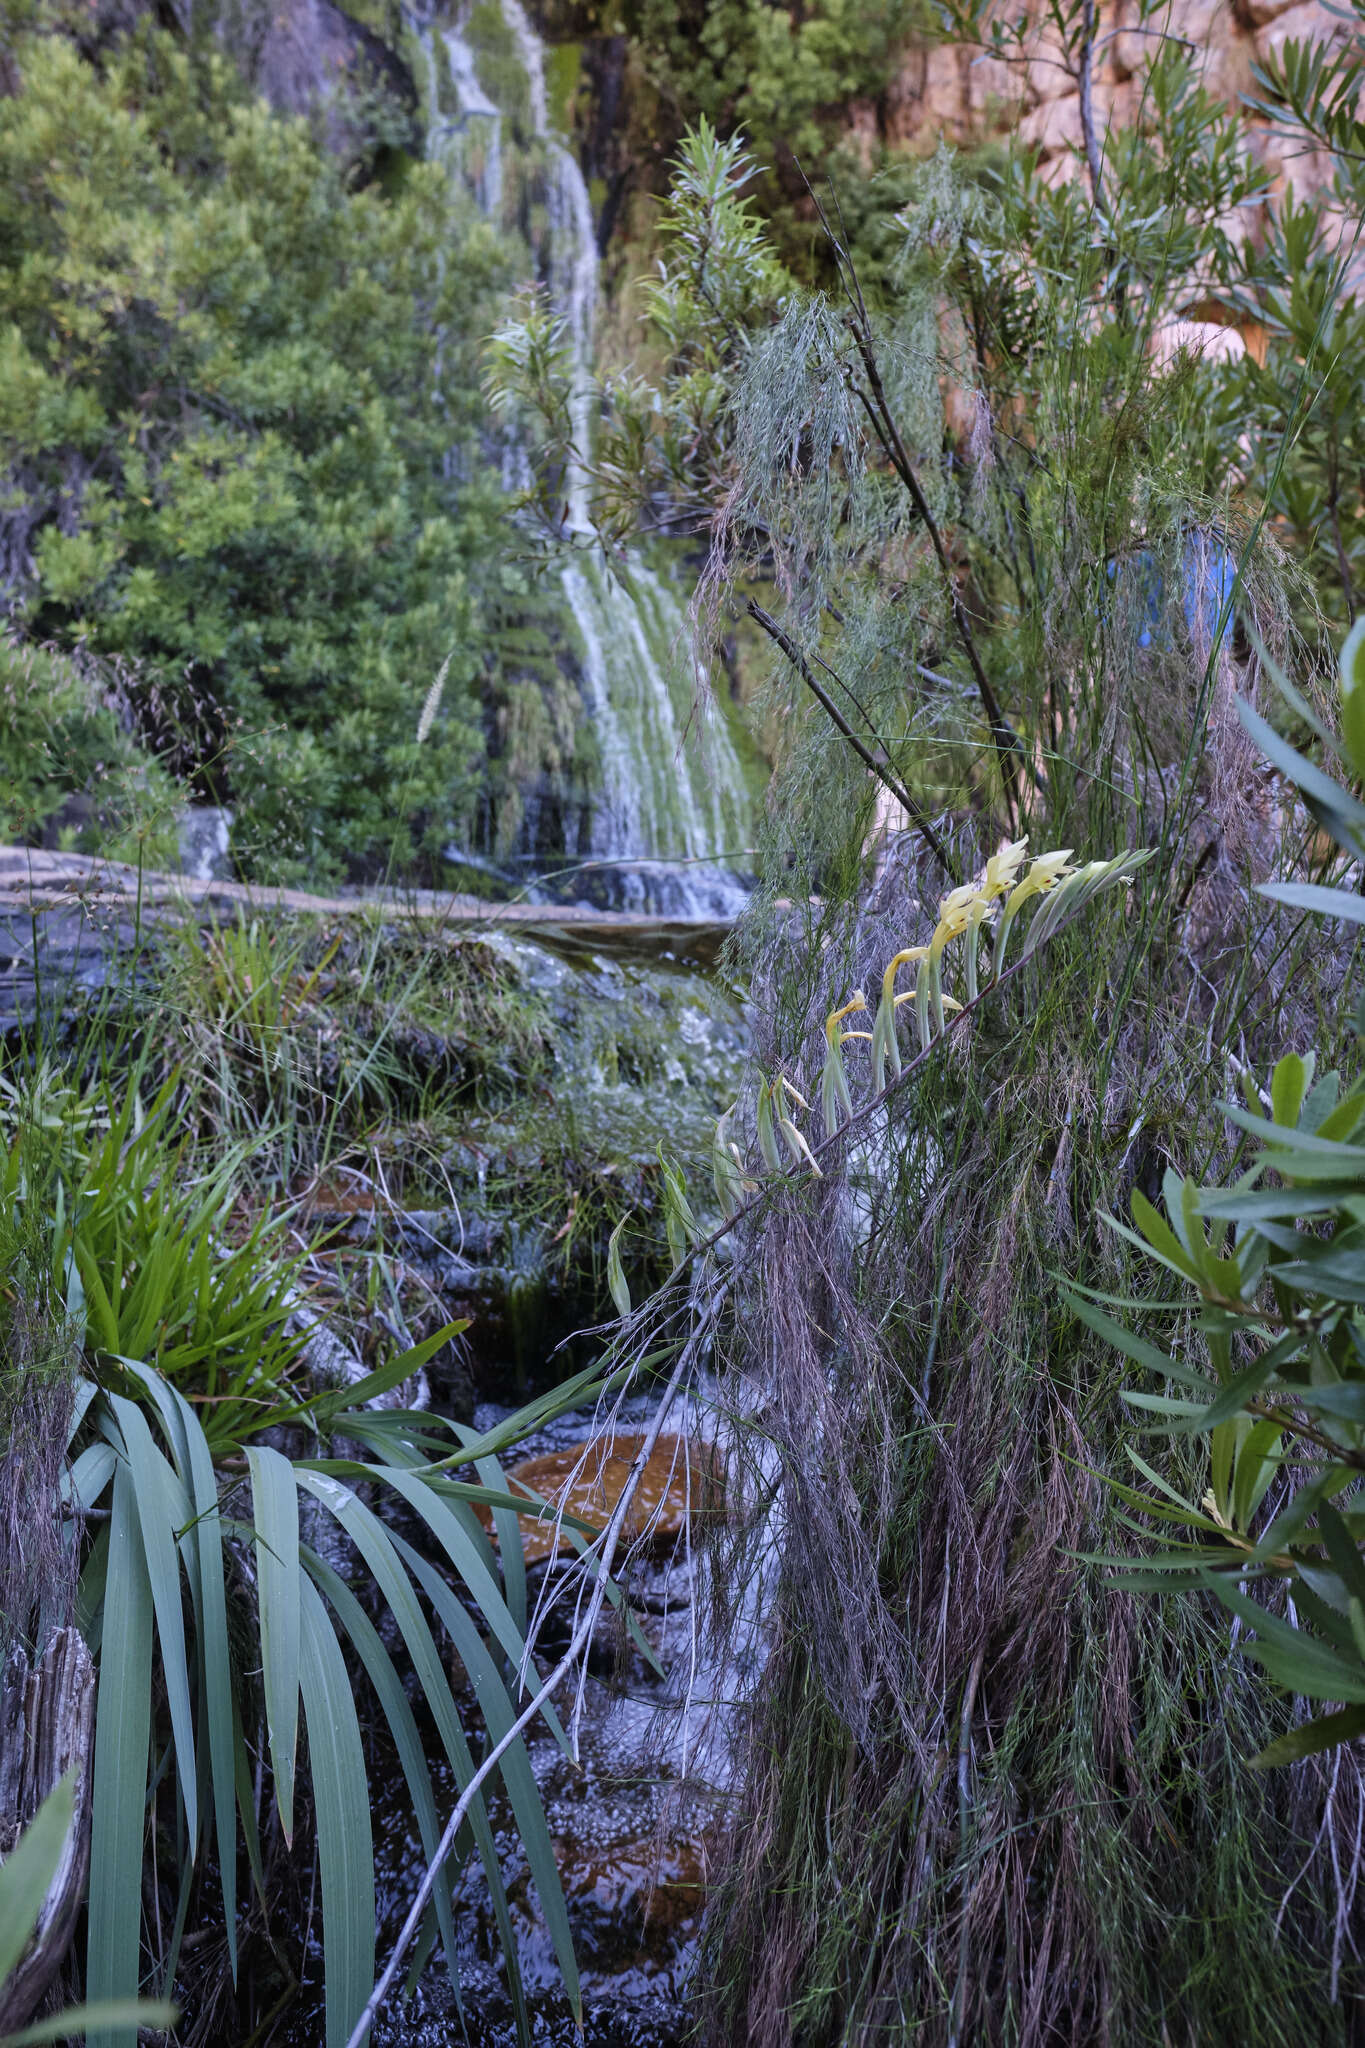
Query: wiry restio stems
{"x": 1085, "y": 882}
{"x": 912, "y": 810}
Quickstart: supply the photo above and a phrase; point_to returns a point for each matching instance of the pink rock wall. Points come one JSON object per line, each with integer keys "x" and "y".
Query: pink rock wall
{"x": 965, "y": 96}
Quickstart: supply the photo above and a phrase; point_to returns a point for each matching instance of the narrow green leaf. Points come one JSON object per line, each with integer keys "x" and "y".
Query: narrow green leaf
{"x": 507, "y": 1522}
{"x": 1298, "y": 1147}
{"x": 123, "y": 1709}
{"x": 383, "y": 1555}
{"x": 163, "y": 1509}
{"x": 767, "y": 1133}
{"x": 465, "y": 1555}
{"x": 402, "y": 1722}
{"x": 616, "y": 1273}
{"x": 341, "y": 1801}
{"x": 1327, "y": 1731}
{"x": 1288, "y": 1084}
{"x": 385, "y": 1377}
{"x": 1322, "y": 789}
{"x": 1133, "y": 1346}
{"x": 29, "y": 1868}
{"x": 515, "y": 1768}
{"x": 1316, "y": 897}
{"x": 214, "y": 1650}
{"x": 93, "y": 2020}
{"x": 1162, "y": 1241}
{"x": 275, "y": 1504}
{"x": 1292, "y": 1657}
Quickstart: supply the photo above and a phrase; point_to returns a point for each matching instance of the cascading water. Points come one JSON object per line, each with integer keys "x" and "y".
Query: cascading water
{"x": 470, "y": 140}
{"x": 670, "y": 817}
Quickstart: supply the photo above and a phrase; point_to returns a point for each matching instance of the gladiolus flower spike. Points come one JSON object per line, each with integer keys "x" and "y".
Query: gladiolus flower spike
{"x": 963, "y": 912}
{"x": 835, "y": 1098}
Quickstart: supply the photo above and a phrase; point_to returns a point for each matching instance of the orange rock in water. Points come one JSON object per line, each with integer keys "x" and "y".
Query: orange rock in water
{"x": 587, "y": 1481}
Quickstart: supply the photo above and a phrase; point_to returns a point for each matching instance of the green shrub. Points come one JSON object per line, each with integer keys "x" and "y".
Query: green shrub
{"x": 73, "y": 771}
{"x": 1276, "y": 1260}
{"x": 238, "y": 400}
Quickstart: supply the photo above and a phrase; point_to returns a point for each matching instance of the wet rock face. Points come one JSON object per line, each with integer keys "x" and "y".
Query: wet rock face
{"x": 309, "y": 53}
{"x": 305, "y": 56}
{"x": 675, "y": 1483}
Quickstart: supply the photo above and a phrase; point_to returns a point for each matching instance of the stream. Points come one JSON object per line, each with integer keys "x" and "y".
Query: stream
{"x": 646, "y": 1047}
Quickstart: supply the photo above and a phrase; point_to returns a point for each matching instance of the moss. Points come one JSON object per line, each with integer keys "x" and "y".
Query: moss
{"x": 501, "y": 68}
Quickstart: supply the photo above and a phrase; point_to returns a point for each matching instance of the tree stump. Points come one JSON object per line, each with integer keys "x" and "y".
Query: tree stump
{"x": 47, "y": 1719}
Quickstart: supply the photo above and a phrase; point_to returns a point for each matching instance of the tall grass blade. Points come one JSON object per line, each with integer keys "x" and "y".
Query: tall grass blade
{"x": 123, "y": 1710}
{"x": 341, "y": 1799}
{"x": 275, "y": 1506}
{"x": 162, "y": 1510}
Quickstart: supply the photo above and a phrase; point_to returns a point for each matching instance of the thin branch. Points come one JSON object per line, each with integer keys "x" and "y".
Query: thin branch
{"x": 883, "y": 774}
{"x": 1087, "y": 94}
{"x": 875, "y": 403}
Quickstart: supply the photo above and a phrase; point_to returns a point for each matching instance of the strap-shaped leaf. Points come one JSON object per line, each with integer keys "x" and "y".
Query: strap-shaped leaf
{"x": 94, "y": 2018}
{"x": 1325, "y": 1731}
{"x": 1291, "y": 1656}
{"x": 275, "y": 1503}
{"x": 515, "y": 1768}
{"x": 1135, "y": 1347}
{"x": 508, "y": 1525}
{"x": 214, "y": 1651}
{"x": 29, "y": 1868}
{"x": 470, "y": 1564}
{"x": 123, "y": 1712}
{"x": 341, "y": 1801}
{"x": 1316, "y": 897}
{"x": 617, "y": 1283}
{"x": 163, "y": 1509}
{"x": 379, "y": 1669}
{"x": 381, "y": 1553}
{"x": 1317, "y": 787}
{"x": 384, "y": 1379}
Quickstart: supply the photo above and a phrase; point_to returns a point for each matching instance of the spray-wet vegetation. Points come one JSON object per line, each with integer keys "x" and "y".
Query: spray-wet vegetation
{"x": 681, "y": 1232}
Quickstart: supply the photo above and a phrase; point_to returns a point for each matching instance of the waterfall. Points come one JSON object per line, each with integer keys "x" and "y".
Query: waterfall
{"x": 470, "y": 141}
{"x": 672, "y": 810}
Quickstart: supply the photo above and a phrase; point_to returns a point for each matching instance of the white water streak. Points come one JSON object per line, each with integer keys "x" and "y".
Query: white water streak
{"x": 660, "y": 803}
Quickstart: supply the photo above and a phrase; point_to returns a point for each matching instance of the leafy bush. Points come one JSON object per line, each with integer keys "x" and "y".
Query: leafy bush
{"x": 236, "y": 426}
{"x": 74, "y": 770}
{"x": 781, "y": 76}
{"x": 1276, "y": 1259}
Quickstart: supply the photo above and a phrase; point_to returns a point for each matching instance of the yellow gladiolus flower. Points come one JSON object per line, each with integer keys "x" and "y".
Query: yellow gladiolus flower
{"x": 1002, "y": 869}
{"x": 857, "y": 1002}
{"x": 1046, "y": 872}
{"x": 894, "y": 965}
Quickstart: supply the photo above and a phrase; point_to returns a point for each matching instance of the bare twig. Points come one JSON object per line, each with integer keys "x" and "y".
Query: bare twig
{"x": 883, "y": 774}
{"x": 1086, "y": 84}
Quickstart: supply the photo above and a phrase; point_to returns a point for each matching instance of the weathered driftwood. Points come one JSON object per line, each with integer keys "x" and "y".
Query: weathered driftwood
{"x": 47, "y": 1718}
